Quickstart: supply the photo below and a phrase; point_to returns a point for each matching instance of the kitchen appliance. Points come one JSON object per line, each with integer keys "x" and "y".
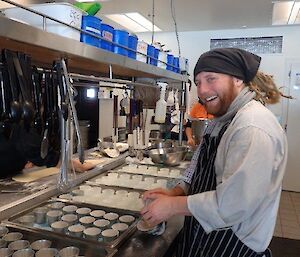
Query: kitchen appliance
{"x": 198, "y": 128}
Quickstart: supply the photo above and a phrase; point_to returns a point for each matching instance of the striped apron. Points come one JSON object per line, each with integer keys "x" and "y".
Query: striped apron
{"x": 194, "y": 241}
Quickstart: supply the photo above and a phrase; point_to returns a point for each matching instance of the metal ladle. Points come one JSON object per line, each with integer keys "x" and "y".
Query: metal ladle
{"x": 28, "y": 110}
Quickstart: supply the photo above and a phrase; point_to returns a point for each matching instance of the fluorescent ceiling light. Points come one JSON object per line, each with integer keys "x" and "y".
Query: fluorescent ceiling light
{"x": 133, "y": 21}
{"x": 93, "y": 1}
{"x": 285, "y": 12}
{"x": 294, "y": 13}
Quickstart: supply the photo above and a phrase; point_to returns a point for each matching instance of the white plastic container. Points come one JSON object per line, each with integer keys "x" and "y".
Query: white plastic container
{"x": 162, "y": 60}
{"x": 183, "y": 64}
{"x": 64, "y": 12}
{"x": 141, "y": 48}
{"x": 161, "y": 105}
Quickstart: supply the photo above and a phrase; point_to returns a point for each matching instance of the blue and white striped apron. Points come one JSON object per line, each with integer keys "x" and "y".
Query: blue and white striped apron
{"x": 194, "y": 241}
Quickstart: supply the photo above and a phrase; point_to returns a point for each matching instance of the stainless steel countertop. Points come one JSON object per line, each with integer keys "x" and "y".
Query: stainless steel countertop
{"x": 145, "y": 245}
{"x": 139, "y": 244}
{"x": 11, "y": 203}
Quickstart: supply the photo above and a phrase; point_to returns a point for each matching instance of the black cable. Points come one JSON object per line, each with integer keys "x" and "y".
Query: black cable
{"x": 153, "y": 9}
{"x": 175, "y": 25}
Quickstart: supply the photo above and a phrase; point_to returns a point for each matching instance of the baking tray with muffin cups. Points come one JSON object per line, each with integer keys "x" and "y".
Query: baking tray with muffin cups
{"x": 122, "y": 178}
{"x": 54, "y": 208}
{"x": 109, "y": 196}
{"x": 32, "y": 241}
{"x": 152, "y": 170}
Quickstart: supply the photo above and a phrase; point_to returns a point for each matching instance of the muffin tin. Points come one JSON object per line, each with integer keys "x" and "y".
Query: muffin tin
{"x": 151, "y": 170}
{"x": 64, "y": 224}
{"x": 136, "y": 181}
{"x": 22, "y": 242}
{"x": 109, "y": 196}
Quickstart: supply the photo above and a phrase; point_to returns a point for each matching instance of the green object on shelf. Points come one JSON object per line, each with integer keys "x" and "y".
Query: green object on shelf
{"x": 90, "y": 8}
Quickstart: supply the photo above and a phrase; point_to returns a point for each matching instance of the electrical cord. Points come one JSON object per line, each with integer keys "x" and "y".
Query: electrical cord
{"x": 175, "y": 25}
{"x": 153, "y": 10}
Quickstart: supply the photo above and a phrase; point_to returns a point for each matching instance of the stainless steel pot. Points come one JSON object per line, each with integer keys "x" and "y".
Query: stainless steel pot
{"x": 155, "y": 134}
{"x": 160, "y": 143}
{"x": 198, "y": 128}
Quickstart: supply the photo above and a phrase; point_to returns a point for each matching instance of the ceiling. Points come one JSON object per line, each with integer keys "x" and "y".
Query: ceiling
{"x": 192, "y": 15}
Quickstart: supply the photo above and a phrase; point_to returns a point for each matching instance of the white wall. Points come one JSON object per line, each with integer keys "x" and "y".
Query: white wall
{"x": 194, "y": 43}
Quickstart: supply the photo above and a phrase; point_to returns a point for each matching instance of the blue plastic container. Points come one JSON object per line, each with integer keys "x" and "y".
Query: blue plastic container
{"x": 150, "y": 53}
{"x": 107, "y": 32}
{"x": 91, "y": 24}
{"x": 176, "y": 64}
{"x": 170, "y": 59}
{"x": 121, "y": 38}
{"x": 156, "y": 53}
{"x": 132, "y": 43}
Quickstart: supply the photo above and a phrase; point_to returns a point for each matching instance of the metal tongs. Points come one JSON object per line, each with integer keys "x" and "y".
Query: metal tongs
{"x": 68, "y": 114}
{"x": 73, "y": 112}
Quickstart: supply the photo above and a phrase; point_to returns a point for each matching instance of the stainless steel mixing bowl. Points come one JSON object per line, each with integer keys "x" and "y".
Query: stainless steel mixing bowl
{"x": 168, "y": 156}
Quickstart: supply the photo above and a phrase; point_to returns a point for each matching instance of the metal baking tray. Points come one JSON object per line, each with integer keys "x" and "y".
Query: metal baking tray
{"x": 86, "y": 248}
{"x": 79, "y": 195}
{"x": 138, "y": 185}
{"x": 151, "y": 173}
{"x": 45, "y": 228}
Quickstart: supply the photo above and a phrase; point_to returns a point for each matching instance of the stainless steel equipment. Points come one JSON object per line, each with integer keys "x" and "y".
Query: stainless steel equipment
{"x": 46, "y": 229}
{"x": 160, "y": 143}
{"x": 168, "y": 156}
{"x": 58, "y": 242}
{"x": 198, "y": 128}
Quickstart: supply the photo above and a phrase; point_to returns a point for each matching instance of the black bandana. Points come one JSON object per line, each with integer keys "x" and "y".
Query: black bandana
{"x": 231, "y": 61}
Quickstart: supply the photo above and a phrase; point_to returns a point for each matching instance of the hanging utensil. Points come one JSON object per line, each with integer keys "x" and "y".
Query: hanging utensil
{"x": 28, "y": 111}
{"x": 63, "y": 183}
{"x": 115, "y": 120}
{"x": 45, "y": 141}
{"x": 15, "y": 113}
{"x": 5, "y": 123}
{"x": 37, "y": 100}
{"x": 54, "y": 87}
{"x": 73, "y": 111}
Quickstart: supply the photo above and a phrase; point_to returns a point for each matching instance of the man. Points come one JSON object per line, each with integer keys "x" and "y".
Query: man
{"x": 230, "y": 194}
{"x": 198, "y": 111}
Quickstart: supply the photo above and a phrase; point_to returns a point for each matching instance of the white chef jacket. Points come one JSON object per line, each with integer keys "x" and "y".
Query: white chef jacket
{"x": 250, "y": 164}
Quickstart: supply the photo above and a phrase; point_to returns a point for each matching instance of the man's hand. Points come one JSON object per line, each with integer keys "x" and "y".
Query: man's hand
{"x": 82, "y": 167}
{"x": 191, "y": 142}
{"x": 160, "y": 209}
{"x": 154, "y": 193}
{"x": 163, "y": 207}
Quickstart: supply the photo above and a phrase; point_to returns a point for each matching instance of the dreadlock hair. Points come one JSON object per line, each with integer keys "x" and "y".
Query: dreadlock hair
{"x": 265, "y": 88}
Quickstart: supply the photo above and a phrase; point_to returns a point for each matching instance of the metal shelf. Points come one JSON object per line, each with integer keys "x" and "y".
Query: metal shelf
{"x": 45, "y": 47}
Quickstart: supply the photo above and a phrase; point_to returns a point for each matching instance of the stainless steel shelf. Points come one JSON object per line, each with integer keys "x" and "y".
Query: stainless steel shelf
{"x": 45, "y": 47}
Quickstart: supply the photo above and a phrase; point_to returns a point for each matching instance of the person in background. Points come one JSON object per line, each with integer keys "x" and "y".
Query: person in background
{"x": 22, "y": 151}
{"x": 198, "y": 111}
{"x": 230, "y": 193}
